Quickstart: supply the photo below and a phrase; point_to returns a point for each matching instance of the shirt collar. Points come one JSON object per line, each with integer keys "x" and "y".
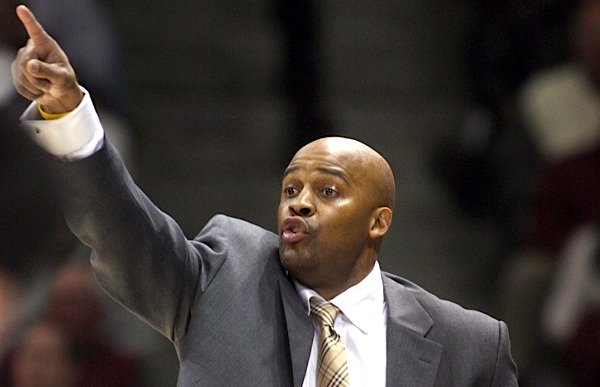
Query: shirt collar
{"x": 357, "y": 303}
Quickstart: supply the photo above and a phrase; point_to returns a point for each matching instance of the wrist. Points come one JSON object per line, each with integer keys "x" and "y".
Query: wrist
{"x": 50, "y": 116}
{"x": 52, "y": 108}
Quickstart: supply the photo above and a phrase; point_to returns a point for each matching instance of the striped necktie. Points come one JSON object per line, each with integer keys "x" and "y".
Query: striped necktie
{"x": 332, "y": 365}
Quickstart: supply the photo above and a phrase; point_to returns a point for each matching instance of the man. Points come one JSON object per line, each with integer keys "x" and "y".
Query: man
{"x": 237, "y": 300}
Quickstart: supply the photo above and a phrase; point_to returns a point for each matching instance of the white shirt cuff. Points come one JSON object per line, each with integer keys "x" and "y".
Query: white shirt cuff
{"x": 75, "y": 136}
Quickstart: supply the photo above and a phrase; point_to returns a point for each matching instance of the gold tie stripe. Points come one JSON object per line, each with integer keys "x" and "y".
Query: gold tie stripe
{"x": 332, "y": 366}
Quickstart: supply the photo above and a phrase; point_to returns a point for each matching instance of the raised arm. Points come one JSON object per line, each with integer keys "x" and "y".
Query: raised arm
{"x": 140, "y": 255}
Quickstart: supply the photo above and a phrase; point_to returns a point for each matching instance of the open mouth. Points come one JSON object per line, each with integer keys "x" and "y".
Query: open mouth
{"x": 293, "y": 230}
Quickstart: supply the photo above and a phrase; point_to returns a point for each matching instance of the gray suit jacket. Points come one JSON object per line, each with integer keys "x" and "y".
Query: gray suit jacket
{"x": 231, "y": 311}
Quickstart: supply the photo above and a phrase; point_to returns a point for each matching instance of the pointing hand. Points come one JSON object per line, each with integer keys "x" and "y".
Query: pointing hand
{"x": 41, "y": 71}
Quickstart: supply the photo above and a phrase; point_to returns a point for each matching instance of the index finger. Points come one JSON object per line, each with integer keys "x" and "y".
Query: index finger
{"x": 34, "y": 29}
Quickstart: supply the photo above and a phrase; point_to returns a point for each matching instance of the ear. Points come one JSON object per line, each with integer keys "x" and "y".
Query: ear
{"x": 381, "y": 221}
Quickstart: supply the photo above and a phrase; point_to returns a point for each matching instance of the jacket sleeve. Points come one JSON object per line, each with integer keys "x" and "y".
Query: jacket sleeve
{"x": 505, "y": 370}
{"x": 139, "y": 254}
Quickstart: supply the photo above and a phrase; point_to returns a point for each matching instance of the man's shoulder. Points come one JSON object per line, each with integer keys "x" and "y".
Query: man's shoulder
{"x": 446, "y": 315}
{"x": 237, "y": 232}
{"x": 237, "y": 225}
{"x": 475, "y": 348}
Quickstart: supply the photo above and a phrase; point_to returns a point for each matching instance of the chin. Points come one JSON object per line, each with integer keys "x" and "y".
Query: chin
{"x": 294, "y": 262}
{"x": 289, "y": 259}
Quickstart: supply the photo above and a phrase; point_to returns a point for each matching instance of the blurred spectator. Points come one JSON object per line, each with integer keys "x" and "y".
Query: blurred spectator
{"x": 45, "y": 355}
{"x": 560, "y": 107}
{"x": 528, "y": 159}
{"x": 112, "y": 347}
{"x": 571, "y": 318}
{"x": 75, "y": 304}
{"x": 490, "y": 166}
{"x": 10, "y": 311}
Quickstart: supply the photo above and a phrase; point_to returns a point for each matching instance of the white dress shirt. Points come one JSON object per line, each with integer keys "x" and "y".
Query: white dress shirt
{"x": 362, "y": 327}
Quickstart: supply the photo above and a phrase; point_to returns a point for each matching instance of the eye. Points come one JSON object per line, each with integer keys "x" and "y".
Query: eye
{"x": 289, "y": 191}
{"x": 329, "y": 192}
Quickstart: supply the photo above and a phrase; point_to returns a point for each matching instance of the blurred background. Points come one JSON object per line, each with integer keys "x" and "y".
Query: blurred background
{"x": 488, "y": 112}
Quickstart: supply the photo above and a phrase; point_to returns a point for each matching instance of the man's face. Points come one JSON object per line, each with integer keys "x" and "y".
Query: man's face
{"x": 324, "y": 217}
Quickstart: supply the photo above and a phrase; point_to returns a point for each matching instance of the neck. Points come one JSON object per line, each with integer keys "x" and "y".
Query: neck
{"x": 332, "y": 289}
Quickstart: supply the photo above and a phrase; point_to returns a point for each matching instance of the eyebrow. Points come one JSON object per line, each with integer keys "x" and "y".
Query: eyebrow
{"x": 323, "y": 169}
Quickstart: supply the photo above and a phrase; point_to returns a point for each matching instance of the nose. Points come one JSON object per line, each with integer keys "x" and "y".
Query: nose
{"x": 302, "y": 205}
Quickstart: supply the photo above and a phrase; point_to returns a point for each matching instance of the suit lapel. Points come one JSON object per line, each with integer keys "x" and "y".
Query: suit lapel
{"x": 412, "y": 359}
{"x": 300, "y": 330}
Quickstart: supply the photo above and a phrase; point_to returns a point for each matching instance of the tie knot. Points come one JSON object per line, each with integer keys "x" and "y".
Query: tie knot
{"x": 323, "y": 311}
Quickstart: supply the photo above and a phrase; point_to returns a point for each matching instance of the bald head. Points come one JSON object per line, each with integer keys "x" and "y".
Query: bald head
{"x": 362, "y": 162}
